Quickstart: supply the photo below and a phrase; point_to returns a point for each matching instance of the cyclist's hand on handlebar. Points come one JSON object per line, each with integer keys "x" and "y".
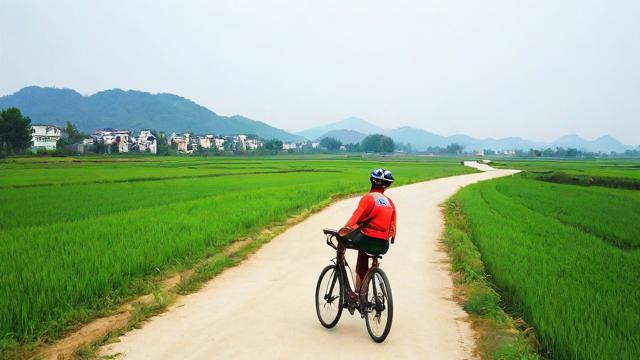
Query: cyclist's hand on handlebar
{"x": 345, "y": 231}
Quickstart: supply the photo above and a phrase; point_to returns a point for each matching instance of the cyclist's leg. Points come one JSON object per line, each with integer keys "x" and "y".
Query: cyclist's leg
{"x": 362, "y": 266}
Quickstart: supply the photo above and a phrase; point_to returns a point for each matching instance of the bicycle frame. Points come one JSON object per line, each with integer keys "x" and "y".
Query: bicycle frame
{"x": 372, "y": 299}
{"x": 342, "y": 264}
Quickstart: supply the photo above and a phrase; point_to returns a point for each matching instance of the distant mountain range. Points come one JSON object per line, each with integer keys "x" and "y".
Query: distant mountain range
{"x": 132, "y": 110}
{"x": 135, "y": 110}
{"x": 421, "y": 139}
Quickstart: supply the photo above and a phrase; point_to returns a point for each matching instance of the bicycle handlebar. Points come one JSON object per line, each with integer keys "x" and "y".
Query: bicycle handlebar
{"x": 331, "y": 234}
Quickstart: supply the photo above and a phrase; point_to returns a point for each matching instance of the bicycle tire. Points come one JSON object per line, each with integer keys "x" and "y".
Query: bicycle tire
{"x": 334, "y": 277}
{"x": 374, "y": 304}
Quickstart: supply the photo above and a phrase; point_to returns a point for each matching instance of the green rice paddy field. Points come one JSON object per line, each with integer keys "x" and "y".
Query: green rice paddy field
{"x": 77, "y": 236}
{"x": 564, "y": 257}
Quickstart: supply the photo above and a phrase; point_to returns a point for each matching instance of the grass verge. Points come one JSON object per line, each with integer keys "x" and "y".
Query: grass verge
{"x": 499, "y": 335}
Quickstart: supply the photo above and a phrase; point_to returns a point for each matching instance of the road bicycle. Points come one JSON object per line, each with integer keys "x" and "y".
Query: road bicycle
{"x": 372, "y": 300}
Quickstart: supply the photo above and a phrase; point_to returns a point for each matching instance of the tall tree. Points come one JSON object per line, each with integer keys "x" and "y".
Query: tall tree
{"x": 454, "y": 149}
{"x": 73, "y": 136}
{"x": 377, "y": 143}
{"x": 162, "y": 144}
{"x": 274, "y": 145}
{"x": 330, "y": 143}
{"x": 15, "y": 131}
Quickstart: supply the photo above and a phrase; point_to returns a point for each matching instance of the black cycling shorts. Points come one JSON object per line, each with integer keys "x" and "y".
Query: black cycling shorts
{"x": 369, "y": 244}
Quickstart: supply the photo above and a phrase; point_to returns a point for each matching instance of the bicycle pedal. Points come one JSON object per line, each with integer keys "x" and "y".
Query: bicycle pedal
{"x": 351, "y": 309}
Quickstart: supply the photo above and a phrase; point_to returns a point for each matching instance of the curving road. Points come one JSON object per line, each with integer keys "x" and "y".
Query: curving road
{"x": 264, "y": 308}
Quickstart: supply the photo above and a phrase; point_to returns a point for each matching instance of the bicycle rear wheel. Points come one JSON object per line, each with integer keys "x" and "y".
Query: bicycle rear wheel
{"x": 378, "y": 305}
{"x": 329, "y": 296}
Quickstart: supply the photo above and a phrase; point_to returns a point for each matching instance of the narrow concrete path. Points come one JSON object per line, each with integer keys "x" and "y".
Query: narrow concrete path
{"x": 264, "y": 308}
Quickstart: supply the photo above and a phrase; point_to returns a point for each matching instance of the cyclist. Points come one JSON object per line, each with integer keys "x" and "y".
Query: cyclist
{"x": 373, "y": 225}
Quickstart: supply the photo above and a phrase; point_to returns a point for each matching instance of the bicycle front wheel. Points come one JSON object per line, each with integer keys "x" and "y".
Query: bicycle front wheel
{"x": 329, "y": 297}
{"x": 378, "y": 305}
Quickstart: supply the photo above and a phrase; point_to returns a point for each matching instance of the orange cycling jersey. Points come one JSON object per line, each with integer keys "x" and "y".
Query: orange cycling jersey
{"x": 380, "y": 213}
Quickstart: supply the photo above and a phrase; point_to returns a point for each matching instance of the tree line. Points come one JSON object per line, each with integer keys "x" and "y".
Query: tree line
{"x": 561, "y": 152}
{"x": 376, "y": 143}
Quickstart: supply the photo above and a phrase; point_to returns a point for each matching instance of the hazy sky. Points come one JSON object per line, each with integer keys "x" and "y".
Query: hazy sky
{"x": 536, "y": 69}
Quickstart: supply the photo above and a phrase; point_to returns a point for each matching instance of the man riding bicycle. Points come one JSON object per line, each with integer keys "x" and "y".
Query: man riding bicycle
{"x": 373, "y": 225}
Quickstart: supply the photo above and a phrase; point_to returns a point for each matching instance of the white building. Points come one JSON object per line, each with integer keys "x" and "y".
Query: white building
{"x": 252, "y": 144}
{"x": 45, "y": 136}
{"x": 111, "y": 136}
{"x": 147, "y": 141}
{"x": 219, "y": 143}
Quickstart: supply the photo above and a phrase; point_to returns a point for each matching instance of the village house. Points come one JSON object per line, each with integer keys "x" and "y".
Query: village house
{"x": 252, "y": 144}
{"x": 236, "y": 142}
{"x": 85, "y": 146}
{"x": 204, "y": 141}
{"x": 183, "y": 142}
{"x": 110, "y": 136}
{"x": 219, "y": 143}
{"x": 244, "y": 142}
{"x": 147, "y": 141}
{"x": 210, "y": 141}
{"x": 179, "y": 141}
{"x": 193, "y": 144}
{"x": 45, "y": 136}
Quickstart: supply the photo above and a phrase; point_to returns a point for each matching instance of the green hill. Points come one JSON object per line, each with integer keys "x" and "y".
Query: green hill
{"x": 132, "y": 110}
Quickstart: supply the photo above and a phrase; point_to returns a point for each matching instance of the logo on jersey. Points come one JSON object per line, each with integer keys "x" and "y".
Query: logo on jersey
{"x": 382, "y": 201}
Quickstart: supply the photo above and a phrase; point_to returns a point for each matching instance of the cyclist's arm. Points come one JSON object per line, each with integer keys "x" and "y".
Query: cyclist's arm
{"x": 393, "y": 226}
{"x": 362, "y": 212}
